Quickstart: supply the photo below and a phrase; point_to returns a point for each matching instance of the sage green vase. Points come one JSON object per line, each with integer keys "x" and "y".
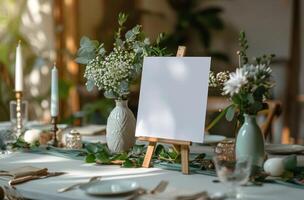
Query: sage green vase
{"x": 250, "y": 141}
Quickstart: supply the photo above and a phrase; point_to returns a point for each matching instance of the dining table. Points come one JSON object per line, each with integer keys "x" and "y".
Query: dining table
{"x": 78, "y": 171}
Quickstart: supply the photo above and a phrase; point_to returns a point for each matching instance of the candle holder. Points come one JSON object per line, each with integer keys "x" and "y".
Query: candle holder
{"x": 19, "y": 125}
{"x": 54, "y": 130}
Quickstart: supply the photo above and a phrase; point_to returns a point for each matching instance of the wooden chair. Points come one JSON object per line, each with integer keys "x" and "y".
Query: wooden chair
{"x": 217, "y": 104}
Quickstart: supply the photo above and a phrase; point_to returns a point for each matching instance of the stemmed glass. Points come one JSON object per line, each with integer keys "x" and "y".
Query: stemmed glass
{"x": 233, "y": 173}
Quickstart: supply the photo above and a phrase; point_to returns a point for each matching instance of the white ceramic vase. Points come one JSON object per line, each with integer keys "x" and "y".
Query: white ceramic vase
{"x": 121, "y": 128}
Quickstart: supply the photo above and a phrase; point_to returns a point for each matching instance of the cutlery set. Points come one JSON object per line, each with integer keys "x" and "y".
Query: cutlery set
{"x": 74, "y": 186}
{"x": 159, "y": 188}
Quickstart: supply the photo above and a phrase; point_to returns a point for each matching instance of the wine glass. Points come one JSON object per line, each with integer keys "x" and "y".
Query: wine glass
{"x": 6, "y": 137}
{"x": 233, "y": 173}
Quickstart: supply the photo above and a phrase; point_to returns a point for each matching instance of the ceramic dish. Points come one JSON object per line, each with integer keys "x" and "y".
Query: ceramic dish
{"x": 212, "y": 139}
{"x": 283, "y": 148}
{"x": 110, "y": 187}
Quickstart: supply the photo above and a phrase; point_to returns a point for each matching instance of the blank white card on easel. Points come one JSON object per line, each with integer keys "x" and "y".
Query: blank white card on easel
{"x": 173, "y": 98}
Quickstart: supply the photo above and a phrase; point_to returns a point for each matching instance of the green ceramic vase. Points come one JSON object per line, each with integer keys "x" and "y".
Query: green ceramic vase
{"x": 250, "y": 141}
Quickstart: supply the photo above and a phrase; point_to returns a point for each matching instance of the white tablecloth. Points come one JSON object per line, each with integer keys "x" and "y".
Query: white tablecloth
{"x": 78, "y": 171}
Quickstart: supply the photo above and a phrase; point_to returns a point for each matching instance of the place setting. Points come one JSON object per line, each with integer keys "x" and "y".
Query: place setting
{"x": 129, "y": 115}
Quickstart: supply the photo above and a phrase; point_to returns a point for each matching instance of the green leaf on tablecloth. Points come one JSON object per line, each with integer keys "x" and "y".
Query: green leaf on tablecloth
{"x": 22, "y": 144}
{"x": 90, "y": 158}
{"x": 169, "y": 155}
{"x": 103, "y": 157}
{"x": 127, "y": 163}
{"x": 287, "y": 175}
{"x": 121, "y": 156}
{"x": 290, "y": 162}
{"x": 158, "y": 150}
{"x": 91, "y": 148}
{"x": 137, "y": 150}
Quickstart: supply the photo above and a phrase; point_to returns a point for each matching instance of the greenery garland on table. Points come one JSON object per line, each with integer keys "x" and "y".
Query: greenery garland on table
{"x": 99, "y": 153}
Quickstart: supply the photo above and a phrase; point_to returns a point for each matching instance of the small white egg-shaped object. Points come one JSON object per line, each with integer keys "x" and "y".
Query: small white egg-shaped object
{"x": 31, "y": 136}
{"x": 274, "y": 166}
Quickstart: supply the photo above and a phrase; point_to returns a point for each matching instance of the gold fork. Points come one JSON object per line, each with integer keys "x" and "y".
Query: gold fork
{"x": 158, "y": 189}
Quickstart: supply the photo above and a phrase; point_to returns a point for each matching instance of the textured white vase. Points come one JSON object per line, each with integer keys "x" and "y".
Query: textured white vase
{"x": 121, "y": 128}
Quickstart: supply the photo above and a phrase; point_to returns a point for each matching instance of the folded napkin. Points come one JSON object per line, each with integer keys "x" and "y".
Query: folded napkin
{"x": 28, "y": 173}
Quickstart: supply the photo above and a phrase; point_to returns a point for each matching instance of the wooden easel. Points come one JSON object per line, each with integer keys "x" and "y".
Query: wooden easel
{"x": 181, "y": 146}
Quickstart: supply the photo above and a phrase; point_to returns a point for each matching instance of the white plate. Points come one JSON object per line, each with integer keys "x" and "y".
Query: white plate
{"x": 211, "y": 139}
{"x": 46, "y": 126}
{"x": 283, "y": 148}
{"x": 110, "y": 187}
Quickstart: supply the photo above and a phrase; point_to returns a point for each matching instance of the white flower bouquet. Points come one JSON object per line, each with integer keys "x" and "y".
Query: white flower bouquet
{"x": 114, "y": 71}
{"x": 248, "y": 87}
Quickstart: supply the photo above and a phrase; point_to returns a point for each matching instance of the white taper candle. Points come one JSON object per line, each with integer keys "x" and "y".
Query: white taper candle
{"x": 54, "y": 93}
{"x": 19, "y": 69}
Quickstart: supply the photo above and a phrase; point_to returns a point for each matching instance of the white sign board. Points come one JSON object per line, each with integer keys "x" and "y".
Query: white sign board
{"x": 173, "y": 98}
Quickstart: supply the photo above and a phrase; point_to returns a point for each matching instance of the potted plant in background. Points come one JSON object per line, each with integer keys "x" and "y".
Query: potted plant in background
{"x": 113, "y": 72}
{"x": 247, "y": 88}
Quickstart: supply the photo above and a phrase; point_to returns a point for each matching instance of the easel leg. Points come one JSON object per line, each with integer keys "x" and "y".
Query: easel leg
{"x": 185, "y": 158}
{"x": 149, "y": 154}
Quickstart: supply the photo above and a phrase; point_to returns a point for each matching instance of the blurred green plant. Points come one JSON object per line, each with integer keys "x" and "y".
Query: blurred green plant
{"x": 190, "y": 17}
{"x": 11, "y": 12}
{"x": 10, "y": 20}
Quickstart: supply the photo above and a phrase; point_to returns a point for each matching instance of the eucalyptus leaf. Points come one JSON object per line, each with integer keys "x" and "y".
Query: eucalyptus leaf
{"x": 82, "y": 60}
{"x": 87, "y": 44}
{"x": 230, "y": 113}
{"x": 90, "y": 85}
{"x": 250, "y": 98}
{"x": 109, "y": 94}
{"x": 130, "y": 35}
{"x": 124, "y": 87}
{"x": 101, "y": 51}
{"x": 91, "y": 148}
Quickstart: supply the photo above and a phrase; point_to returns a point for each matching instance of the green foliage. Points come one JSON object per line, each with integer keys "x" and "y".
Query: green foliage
{"x": 21, "y": 144}
{"x": 243, "y": 48}
{"x": 203, "y": 22}
{"x": 230, "y": 113}
{"x": 114, "y": 71}
{"x": 247, "y": 88}
{"x": 100, "y": 154}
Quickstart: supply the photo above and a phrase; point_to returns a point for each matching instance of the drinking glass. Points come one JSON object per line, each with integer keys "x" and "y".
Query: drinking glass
{"x": 6, "y": 137}
{"x": 233, "y": 173}
{"x": 13, "y": 114}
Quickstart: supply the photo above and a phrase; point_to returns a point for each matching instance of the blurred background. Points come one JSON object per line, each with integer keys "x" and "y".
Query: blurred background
{"x": 50, "y": 31}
